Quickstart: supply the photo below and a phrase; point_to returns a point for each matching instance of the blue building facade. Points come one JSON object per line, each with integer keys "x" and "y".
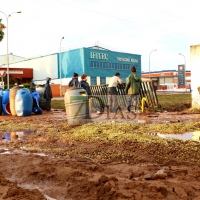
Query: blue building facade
{"x": 97, "y": 62}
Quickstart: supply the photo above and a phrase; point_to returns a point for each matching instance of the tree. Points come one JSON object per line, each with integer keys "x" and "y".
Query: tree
{"x": 2, "y": 26}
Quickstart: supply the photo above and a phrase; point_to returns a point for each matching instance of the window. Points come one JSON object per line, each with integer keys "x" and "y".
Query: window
{"x": 97, "y": 64}
{"x": 102, "y": 80}
{"x": 92, "y": 64}
{"x": 112, "y": 65}
{"x": 120, "y": 67}
{"x": 104, "y": 65}
{"x": 100, "y": 65}
{"x": 93, "y": 80}
{"x": 124, "y": 66}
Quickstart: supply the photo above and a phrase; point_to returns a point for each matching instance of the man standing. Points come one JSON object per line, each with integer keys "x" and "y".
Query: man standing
{"x": 48, "y": 94}
{"x": 132, "y": 89}
{"x": 85, "y": 85}
{"x": 74, "y": 83}
{"x": 112, "y": 92}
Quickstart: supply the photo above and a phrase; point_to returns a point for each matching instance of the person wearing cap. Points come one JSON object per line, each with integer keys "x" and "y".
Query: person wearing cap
{"x": 74, "y": 82}
{"x": 132, "y": 89}
{"x": 112, "y": 92}
{"x": 48, "y": 93}
{"x": 85, "y": 85}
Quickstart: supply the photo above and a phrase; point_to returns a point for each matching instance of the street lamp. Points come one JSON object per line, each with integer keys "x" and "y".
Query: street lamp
{"x": 7, "y": 16}
{"x": 185, "y": 65}
{"x": 184, "y": 58}
{"x": 149, "y": 61}
{"x": 60, "y": 68}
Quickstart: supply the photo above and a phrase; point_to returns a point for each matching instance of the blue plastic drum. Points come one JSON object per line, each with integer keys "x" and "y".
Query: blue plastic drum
{"x": 23, "y": 102}
{"x": 5, "y": 102}
{"x": 1, "y": 92}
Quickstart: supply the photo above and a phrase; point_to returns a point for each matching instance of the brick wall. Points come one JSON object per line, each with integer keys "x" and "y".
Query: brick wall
{"x": 56, "y": 89}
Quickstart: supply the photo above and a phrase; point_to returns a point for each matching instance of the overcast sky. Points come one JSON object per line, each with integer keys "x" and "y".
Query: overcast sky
{"x": 133, "y": 26}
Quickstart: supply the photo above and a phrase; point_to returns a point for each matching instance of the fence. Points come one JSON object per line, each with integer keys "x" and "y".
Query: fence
{"x": 100, "y": 95}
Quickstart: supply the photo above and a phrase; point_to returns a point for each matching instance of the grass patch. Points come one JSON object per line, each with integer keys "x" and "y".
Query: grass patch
{"x": 175, "y": 102}
{"x": 58, "y": 104}
{"x": 174, "y": 98}
{"x": 167, "y": 101}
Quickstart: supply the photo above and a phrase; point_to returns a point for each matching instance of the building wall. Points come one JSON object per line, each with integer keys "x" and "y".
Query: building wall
{"x": 43, "y": 67}
{"x": 105, "y": 63}
{"x": 165, "y": 80}
{"x": 70, "y": 62}
{"x": 12, "y": 59}
{"x": 195, "y": 74}
{"x": 169, "y": 78}
{"x": 97, "y": 63}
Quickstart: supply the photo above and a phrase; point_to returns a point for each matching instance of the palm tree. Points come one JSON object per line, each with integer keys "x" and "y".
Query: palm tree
{"x": 2, "y": 26}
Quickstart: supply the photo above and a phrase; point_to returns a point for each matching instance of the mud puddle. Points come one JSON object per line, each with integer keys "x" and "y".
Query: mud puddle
{"x": 14, "y": 136}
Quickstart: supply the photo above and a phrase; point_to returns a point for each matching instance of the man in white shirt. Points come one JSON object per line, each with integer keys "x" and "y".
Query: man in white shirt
{"x": 112, "y": 92}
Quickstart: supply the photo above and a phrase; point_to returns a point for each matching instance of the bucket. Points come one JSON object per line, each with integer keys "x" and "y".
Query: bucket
{"x": 5, "y": 102}
{"x": 77, "y": 106}
{"x": 23, "y": 102}
{"x": 12, "y": 96}
{"x": 42, "y": 102}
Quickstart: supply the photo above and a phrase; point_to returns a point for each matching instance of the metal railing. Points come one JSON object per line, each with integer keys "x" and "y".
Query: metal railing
{"x": 147, "y": 90}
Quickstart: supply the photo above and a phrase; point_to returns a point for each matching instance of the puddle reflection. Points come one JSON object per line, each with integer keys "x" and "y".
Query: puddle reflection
{"x": 195, "y": 136}
{"x": 15, "y": 136}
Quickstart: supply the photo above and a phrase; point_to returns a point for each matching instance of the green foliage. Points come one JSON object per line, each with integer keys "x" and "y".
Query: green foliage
{"x": 26, "y": 85}
{"x": 1, "y": 35}
{"x": 2, "y": 26}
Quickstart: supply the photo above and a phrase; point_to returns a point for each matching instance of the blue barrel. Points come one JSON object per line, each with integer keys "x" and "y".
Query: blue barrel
{"x": 1, "y": 92}
{"x": 6, "y": 102}
{"x": 36, "y": 100}
{"x": 23, "y": 102}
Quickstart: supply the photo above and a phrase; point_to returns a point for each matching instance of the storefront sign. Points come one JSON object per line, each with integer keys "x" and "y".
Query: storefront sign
{"x": 15, "y": 72}
{"x": 98, "y": 56}
{"x": 127, "y": 59}
{"x": 104, "y": 56}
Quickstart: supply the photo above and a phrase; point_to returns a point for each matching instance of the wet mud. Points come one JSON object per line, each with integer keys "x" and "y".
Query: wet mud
{"x": 27, "y": 175}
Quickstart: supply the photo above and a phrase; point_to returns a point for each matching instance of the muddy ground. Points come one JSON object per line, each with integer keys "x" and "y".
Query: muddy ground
{"x": 37, "y": 174}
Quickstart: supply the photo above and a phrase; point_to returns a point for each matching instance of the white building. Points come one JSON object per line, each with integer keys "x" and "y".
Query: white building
{"x": 195, "y": 74}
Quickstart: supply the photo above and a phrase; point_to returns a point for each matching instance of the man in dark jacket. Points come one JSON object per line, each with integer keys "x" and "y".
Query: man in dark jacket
{"x": 132, "y": 89}
{"x": 48, "y": 94}
{"x": 74, "y": 83}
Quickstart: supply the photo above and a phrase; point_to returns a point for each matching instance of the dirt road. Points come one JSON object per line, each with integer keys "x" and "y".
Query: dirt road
{"x": 37, "y": 167}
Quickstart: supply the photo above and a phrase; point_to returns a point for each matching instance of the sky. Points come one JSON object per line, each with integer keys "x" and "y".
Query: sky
{"x": 134, "y": 26}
